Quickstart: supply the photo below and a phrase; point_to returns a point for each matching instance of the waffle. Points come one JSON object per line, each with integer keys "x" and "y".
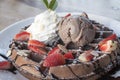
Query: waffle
{"x": 30, "y": 64}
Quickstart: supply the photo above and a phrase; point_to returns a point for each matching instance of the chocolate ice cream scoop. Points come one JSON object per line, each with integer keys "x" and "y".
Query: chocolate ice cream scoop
{"x": 77, "y": 30}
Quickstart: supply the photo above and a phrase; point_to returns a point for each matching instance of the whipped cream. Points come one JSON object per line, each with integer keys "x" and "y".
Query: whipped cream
{"x": 44, "y": 26}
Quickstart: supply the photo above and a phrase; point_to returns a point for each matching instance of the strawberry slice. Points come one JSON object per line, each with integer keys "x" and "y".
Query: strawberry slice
{"x": 54, "y": 50}
{"x": 37, "y": 49}
{"x": 103, "y": 47}
{"x": 5, "y": 65}
{"x": 69, "y": 55}
{"x": 36, "y": 43}
{"x": 67, "y": 15}
{"x": 22, "y": 36}
{"x": 109, "y": 46}
{"x": 86, "y": 56}
{"x": 111, "y": 37}
{"x": 37, "y": 46}
{"x": 55, "y": 59}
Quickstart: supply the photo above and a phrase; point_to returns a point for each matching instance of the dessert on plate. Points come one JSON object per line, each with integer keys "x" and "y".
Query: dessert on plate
{"x": 70, "y": 47}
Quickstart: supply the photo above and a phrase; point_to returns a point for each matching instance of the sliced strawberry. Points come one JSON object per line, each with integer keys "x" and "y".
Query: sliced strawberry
{"x": 67, "y": 15}
{"x": 37, "y": 46}
{"x": 55, "y": 59}
{"x": 69, "y": 55}
{"x": 36, "y": 43}
{"x": 5, "y": 65}
{"x": 111, "y": 37}
{"x": 103, "y": 47}
{"x": 54, "y": 50}
{"x": 86, "y": 56}
{"x": 22, "y": 36}
{"x": 89, "y": 57}
{"x": 37, "y": 49}
{"x": 109, "y": 46}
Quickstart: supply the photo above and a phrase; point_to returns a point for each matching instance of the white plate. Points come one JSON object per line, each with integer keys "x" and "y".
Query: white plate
{"x": 7, "y": 34}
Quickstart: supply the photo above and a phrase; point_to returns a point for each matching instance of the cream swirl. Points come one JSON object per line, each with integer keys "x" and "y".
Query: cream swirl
{"x": 44, "y": 26}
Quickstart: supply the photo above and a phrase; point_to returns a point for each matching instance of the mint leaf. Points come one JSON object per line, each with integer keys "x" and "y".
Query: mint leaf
{"x": 46, "y": 3}
{"x": 51, "y": 5}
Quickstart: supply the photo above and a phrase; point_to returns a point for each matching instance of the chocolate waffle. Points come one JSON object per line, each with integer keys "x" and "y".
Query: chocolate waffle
{"x": 30, "y": 64}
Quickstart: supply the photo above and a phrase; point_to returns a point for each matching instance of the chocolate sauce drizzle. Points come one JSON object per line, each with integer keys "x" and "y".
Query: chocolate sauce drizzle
{"x": 74, "y": 73}
{"x": 5, "y": 57}
{"x": 111, "y": 59}
{"x": 36, "y": 67}
{"x": 11, "y": 52}
{"x": 15, "y": 58}
{"x": 116, "y": 59}
{"x": 99, "y": 69}
{"x": 54, "y": 77}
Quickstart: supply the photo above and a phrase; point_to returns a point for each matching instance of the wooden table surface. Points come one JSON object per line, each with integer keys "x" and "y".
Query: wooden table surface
{"x": 12, "y": 11}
